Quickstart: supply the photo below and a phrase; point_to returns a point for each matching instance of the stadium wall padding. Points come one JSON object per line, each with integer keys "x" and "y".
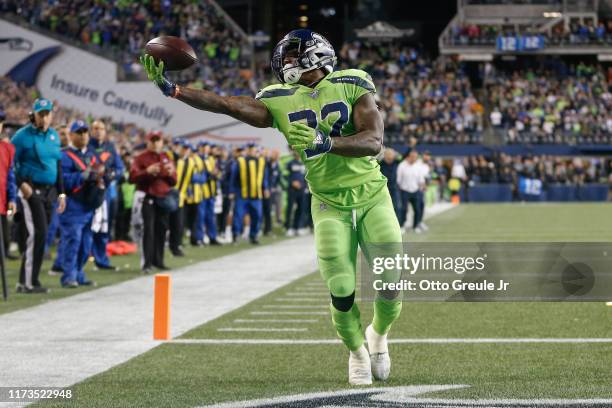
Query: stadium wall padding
{"x": 512, "y": 150}
{"x": 493, "y": 192}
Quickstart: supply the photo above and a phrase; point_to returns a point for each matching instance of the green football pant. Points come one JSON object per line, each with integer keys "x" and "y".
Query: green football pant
{"x": 338, "y": 234}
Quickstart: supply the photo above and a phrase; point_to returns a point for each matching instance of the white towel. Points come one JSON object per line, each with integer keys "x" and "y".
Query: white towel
{"x": 137, "y": 222}
{"x": 100, "y": 219}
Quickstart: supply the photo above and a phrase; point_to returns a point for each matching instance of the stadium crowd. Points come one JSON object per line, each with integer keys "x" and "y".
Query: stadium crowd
{"x": 503, "y": 168}
{"x": 541, "y": 106}
{"x": 419, "y": 97}
{"x": 576, "y": 33}
{"x": 121, "y": 28}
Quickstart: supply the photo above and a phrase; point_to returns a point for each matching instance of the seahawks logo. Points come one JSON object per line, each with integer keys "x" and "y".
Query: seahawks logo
{"x": 403, "y": 397}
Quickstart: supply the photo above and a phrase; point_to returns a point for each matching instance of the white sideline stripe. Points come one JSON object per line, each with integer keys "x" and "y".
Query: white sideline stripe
{"x": 397, "y": 341}
{"x": 276, "y": 320}
{"x": 307, "y": 292}
{"x": 300, "y": 299}
{"x": 259, "y": 329}
{"x": 321, "y": 284}
{"x": 295, "y": 307}
{"x": 290, "y": 313}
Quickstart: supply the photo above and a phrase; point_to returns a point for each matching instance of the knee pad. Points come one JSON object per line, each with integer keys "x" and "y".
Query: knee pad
{"x": 343, "y": 304}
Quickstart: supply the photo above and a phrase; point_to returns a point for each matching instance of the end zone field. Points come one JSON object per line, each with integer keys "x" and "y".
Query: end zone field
{"x": 444, "y": 354}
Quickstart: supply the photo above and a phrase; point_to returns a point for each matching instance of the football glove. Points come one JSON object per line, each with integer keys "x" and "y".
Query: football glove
{"x": 312, "y": 141}
{"x": 156, "y": 74}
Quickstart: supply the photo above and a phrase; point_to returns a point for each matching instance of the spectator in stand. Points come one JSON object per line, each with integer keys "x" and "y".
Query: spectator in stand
{"x": 541, "y": 107}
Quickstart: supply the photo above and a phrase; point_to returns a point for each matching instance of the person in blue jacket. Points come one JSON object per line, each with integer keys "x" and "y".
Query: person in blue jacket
{"x": 40, "y": 183}
{"x": 114, "y": 168}
{"x": 84, "y": 182}
{"x": 56, "y": 268}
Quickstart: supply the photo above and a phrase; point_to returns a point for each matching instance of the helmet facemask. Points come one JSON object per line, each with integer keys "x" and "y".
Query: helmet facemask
{"x": 317, "y": 53}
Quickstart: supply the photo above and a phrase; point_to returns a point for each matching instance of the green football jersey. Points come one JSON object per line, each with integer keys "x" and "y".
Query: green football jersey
{"x": 343, "y": 182}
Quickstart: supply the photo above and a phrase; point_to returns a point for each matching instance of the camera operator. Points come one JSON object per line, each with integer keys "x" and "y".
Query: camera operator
{"x": 39, "y": 178}
{"x": 154, "y": 173}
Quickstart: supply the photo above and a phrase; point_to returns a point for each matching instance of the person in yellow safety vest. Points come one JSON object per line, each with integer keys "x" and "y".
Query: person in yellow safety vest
{"x": 193, "y": 192}
{"x": 249, "y": 185}
{"x": 184, "y": 172}
{"x": 206, "y": 214}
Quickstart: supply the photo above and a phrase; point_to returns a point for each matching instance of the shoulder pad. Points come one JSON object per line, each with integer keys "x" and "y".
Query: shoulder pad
{"x": 276, "y": 90}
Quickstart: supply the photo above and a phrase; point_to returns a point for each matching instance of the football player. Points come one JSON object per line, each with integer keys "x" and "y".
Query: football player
{"x": 332, "y": 119}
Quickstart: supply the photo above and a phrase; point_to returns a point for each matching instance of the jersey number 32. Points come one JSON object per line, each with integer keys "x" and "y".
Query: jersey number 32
{"x": 311, "y": 117}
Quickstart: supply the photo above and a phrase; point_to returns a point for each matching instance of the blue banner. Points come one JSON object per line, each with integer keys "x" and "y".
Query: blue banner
{"x": 520, "y": 43}
{"x": 529, "y": 186}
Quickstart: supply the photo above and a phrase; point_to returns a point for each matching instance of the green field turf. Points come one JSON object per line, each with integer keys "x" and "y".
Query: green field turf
{"x": 191, "y": 374}
{"x": 129, "y": 269}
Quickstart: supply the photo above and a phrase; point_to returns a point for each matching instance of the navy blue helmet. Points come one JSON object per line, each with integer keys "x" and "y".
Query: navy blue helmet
{"x": 311, "y": 51}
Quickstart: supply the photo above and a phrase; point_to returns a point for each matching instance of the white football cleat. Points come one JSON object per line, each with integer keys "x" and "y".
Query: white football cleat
{"x": 290, "y": 232}
{"x": 379, "y": 354}
{"x": 360, "y": 368}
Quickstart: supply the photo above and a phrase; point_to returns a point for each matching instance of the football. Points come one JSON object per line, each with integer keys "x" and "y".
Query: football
{"x": 176, "y": 53}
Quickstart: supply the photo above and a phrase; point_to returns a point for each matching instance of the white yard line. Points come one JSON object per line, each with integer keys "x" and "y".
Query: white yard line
{"x": 261, "y": 329}
{"x": 400, "y": 341}
{"x": 276, "y": 320}
{"x": 295, "y": 307}
{"x": 311, "y": 299}
{"x": 289, "y": 313}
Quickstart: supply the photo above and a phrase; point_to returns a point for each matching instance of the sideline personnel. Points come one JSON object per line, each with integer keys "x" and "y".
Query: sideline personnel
{"x": 84, "y": 180}
{"x": 154, "y": 173}
{"x": 39, "y": 178}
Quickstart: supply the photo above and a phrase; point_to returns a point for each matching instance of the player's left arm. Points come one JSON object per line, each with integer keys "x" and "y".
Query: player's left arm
{"x": 369, "y": 125}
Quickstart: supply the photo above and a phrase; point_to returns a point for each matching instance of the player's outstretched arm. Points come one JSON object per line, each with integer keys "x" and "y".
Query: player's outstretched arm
{"x": 244, "y": 108}
{"x": 369, "y": 125}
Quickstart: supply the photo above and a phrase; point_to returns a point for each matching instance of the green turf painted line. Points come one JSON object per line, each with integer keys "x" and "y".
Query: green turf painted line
{"x": 308, "y": 293}
{"x": 312, "y": 299}
{"x": 276, "y": 320}
{"x": 259, "y": 329}
{"x": 294, "y": 307}
{"x": 290, "y": 313}
{"x": 393, "y": 341}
